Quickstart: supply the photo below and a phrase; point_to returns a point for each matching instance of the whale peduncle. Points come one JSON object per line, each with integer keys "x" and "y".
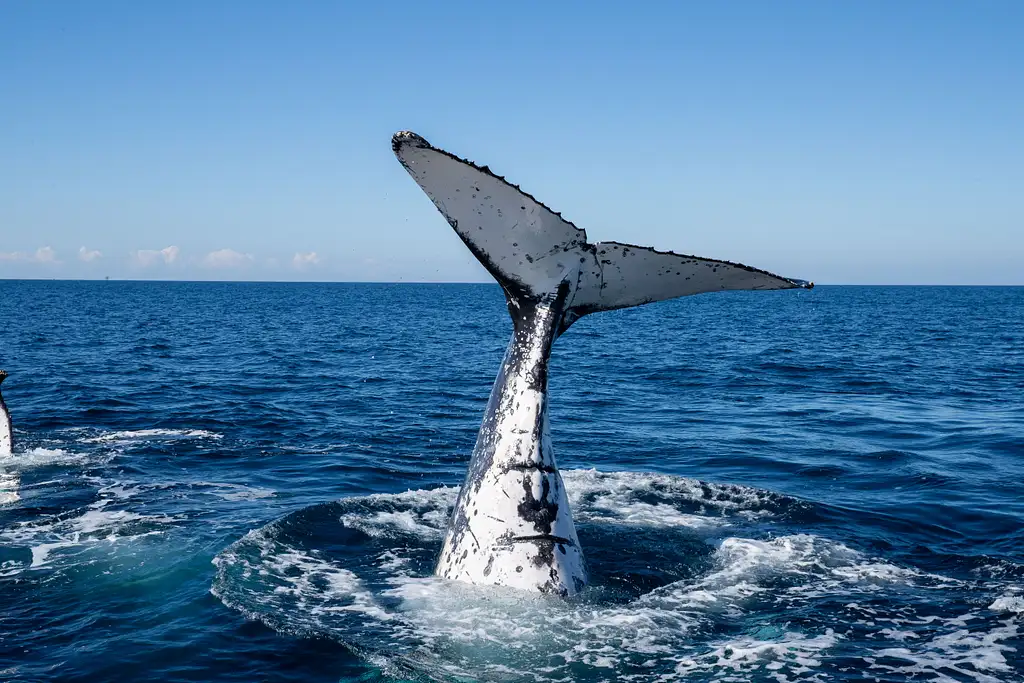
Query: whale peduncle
{"x": 512, "y": 524}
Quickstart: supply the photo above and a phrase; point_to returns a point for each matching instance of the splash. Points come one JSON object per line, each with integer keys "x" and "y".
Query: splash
{"x": 686, "y": 585}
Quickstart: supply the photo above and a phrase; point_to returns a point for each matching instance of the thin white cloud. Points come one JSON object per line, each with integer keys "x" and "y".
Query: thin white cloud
{"x": 41, "y": 255}
{"x": 149, "y": 257}
{"x": 226, "y": 258}
{"x": 88, "y": 255}
{"x": 301, "y": 261}
{"x": 45, "y": 255}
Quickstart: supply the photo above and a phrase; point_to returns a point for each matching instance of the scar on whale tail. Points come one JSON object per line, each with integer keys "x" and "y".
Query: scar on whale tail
{"x": 6, "y": 430}
{"x": 511, "y": 524}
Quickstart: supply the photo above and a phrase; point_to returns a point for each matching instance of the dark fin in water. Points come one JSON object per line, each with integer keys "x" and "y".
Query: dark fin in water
{"x": 6, "y": 428}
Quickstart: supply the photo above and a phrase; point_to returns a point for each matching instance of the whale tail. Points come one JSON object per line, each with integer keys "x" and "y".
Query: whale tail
{"x": 530, "y": 249}
{"x": 512, "y": 524}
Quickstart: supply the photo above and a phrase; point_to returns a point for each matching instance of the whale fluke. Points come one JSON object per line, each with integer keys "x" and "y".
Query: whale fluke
{"x": 511, "y": 524}
{"x": 529, "y": 248}
{"x": 6, "y": 429}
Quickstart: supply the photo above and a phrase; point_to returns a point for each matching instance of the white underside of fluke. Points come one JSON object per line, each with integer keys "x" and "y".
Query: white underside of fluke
{"x": 512, "y": 525}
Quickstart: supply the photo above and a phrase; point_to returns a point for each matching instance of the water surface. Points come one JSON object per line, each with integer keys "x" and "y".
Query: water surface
{"x": 250, "y": 481}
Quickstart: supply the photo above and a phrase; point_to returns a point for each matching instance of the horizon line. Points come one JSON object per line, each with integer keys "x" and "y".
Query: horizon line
{"x": 431, "y": 282}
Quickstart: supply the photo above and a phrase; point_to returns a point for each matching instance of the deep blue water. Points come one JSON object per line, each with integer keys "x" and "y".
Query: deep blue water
{"x": 805, "y": 485}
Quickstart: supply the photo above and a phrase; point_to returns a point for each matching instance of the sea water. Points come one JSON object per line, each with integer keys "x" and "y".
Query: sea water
{"x": 250, "y": 481}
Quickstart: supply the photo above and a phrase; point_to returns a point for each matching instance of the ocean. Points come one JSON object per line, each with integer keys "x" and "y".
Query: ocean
{"x": 250, "y": 481}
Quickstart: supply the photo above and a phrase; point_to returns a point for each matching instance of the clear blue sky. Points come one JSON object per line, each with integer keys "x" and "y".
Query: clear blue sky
{"x": 844, "y": 142}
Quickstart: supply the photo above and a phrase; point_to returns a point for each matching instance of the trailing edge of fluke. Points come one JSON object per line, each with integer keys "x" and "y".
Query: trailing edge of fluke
{"x": 511, "y": 524}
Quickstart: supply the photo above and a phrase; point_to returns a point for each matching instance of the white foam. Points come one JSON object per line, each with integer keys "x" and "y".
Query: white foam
{"x": 304, "y": 575}
{"x": 91, "y": 527}
{"x": 727, "y": 496}
{"x": 122, "y": 490}
{"x": 45, "y": 457}
{"x": 492, "y": 633}
{"x": 745, "y": 569}
{"x": 976, "y": 655}
{"x": 1008, "y": 603}
{"x": 653, "y": 630}
{"x": 9, "y": 483}
{"x": 390, "y": 561}
{"x": 41, "y": 552}
{"x": 646, "y": 515}
{"x": 793, "y": 654}
{"x": 809, "y": 566}
{"x": 236, "y": 491}
{"x": 146, "y": 434}
{"x": 385, "y": 524}
{"x": 423, "y": 513}
{"x": 894, "y": 634}
{"x": 315, "y": 586}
